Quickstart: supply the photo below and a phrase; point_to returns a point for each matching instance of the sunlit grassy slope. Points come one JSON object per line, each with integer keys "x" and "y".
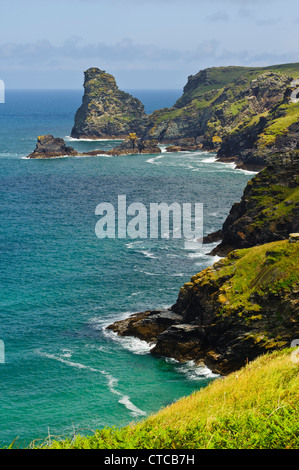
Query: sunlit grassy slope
{"x": 254, "y": 408}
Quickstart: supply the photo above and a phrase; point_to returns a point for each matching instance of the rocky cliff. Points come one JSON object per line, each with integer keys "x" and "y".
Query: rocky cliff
{"x": 106, "y": 111}
{"x": 269, "y": 207}
{"x": 242, "y": 113}
{"x": 243, "y": 306}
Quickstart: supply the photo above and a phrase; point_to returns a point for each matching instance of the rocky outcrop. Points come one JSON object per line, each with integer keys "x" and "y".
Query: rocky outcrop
{"x": 269, "y": 207}
{"x": 51, "y": 147}
{"x": 106, "y": 111}
{"x": 133, "y": 147}
{"x": 241, "y": 307}
{"x": 243, "y": 114}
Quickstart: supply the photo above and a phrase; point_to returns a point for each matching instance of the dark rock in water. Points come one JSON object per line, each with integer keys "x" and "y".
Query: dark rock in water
{"x": 182, "y": 342}
{"x": 213, "y": 237}
{"x": 135, "y": 146}
{"x": 146, "y": 325}
{"x": 107, "y": 112}
{"x": 183, "y": 145}
{"x": 50, "y": 147}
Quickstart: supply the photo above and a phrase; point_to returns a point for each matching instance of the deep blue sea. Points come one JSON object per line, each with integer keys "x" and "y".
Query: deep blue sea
{"x": 60, "y": 285}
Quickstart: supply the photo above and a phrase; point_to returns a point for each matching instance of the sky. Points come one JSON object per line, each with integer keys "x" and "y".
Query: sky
{"x": 145, "y": 44}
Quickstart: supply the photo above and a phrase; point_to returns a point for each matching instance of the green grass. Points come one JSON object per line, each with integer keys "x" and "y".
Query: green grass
{"x": 279, "y": 126}
{"x": 248, "y": 270}
{"x": 254, "y": 408}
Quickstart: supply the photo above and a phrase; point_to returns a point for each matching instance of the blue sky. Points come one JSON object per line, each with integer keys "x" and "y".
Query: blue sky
{"x": 143, "y": 43}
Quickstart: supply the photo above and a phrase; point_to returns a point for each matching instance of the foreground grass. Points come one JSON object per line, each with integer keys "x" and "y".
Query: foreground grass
{"x": 254, "y": 408}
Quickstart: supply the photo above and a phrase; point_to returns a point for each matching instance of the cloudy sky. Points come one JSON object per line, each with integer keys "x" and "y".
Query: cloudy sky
{"x": 143, "y": 43}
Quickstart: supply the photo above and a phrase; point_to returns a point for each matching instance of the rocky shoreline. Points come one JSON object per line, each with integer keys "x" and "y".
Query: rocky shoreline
{"x": 224, "y": 318}
{"x": 214, "y": 323}
{"x": 49, "y": 146}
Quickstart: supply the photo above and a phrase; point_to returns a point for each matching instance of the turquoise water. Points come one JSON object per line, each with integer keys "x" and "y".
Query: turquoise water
{"x": 61, "y": 285}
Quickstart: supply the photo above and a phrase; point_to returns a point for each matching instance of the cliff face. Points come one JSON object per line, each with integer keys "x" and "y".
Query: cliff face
{"x": 242, "y": 113}
{"x": 269, "y": 207}
{"x": 106, "y": 111}
{"x": 241, "y": 307}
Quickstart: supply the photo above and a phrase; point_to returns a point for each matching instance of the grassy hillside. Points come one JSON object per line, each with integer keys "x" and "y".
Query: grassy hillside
{"x": 231, "y": 109}
{"x": 255, "y": 408}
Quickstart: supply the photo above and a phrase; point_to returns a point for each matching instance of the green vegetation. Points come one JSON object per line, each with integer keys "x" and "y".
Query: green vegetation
{"x": 255, "y": 408}
{"x": 279, "y": 126}
{"x": 247, "y": 277}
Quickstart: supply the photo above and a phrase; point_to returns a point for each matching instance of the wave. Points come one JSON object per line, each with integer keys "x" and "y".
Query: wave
{"x": 153, "y": 160}
{"x": 76, "y": 365}
{"x": 147, "y": 254}
{"x": 209, "y": 160}
{"x": 124, "y": 399}
{"x": 130, "y": 343}
{"x": 196, "y": 372}
{"x": 247, "y": 172}
{"x": 74, "y": 139}
{"x": 131, "y": 245}
{"x": 112, "y": 381}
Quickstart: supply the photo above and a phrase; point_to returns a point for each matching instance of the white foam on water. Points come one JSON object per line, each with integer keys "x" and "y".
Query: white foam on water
{"x": 76, "y": 365}
{"x": 132, "y": 245}
{"x": 147, "y": 254}
{"x": 130, "y": 343}
{"x": 74, "y": 139}
{"x": 153, "y": 160}
{"x": 124, "y": 399}
{"x": 196, "y": 372}
{"x": 112, "y": 382}
{"x": 209, "y": 160}
{"x": 247, "y": 172}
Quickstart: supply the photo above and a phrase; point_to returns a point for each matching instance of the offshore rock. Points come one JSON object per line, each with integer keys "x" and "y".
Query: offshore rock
{"x": 107, "y": 112}
{"x": 51, "y": 147}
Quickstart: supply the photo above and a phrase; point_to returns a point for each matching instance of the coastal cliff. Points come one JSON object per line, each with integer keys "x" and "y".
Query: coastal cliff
{"x": 241, "y": 113}
{"x": 269, "y": 207}
{"x": 247, "y": 303}
{"x": 106, "y": 111}
{"x": 241, "y": 307}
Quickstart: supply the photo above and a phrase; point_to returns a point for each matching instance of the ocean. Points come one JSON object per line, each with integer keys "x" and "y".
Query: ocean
{"x": 60, "y": 285}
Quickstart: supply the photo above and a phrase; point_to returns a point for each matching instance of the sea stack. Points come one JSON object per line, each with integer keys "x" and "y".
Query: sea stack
{"x": 106, "y": 111}
{"x": 51, "y": 147}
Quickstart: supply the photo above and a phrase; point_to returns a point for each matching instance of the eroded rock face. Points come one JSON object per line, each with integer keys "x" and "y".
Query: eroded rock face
{"x": 146, "y": 325}
{"x": 243, "y": 306}
{"x": 132, "y": 148}
{"x": 51, "y": 147}
{"x": 269, "y": 207}
{"x": 107, "y": 112}
{"x": 242, "y": 114}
